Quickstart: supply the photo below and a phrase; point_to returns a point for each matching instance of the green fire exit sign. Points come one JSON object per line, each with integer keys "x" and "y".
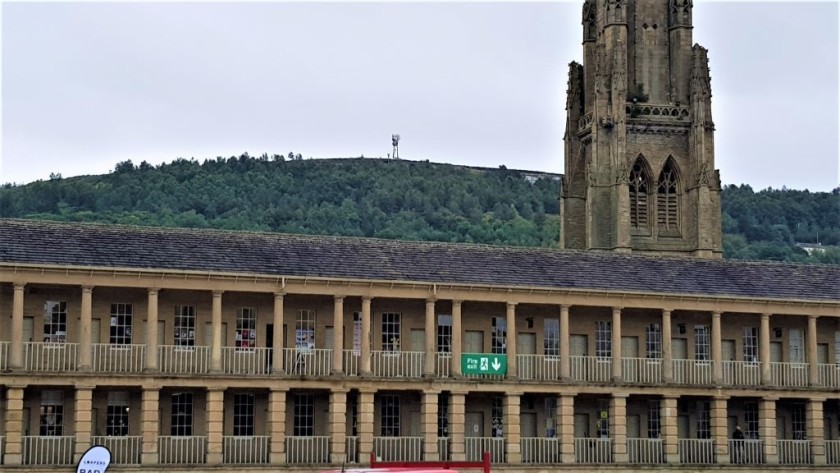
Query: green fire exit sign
{"x": 483, "y": 363}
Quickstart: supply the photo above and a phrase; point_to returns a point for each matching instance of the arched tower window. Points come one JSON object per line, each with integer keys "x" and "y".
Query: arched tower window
{"x": 639, "y": 185}
{"x": 667, "y": 199}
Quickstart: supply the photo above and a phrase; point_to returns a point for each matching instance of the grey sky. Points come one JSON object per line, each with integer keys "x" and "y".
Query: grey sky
{"x": 86, "y": 85}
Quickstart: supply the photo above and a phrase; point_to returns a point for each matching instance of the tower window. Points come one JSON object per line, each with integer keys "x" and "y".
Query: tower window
{"x": 638, "y": 196}
{"x": 667, "y": 205}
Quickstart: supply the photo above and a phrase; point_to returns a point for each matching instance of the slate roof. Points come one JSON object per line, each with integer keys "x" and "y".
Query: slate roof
{"x": 117, "y": 246}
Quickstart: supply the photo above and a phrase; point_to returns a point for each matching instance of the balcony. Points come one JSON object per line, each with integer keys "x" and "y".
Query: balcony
{"x": 741, "y": 373}
{"x": 397, "y": 364}
{"x": 593, "y": 450}
{"x": 832, "y": 452}
{"x": 829, "y": 375}
{"x": 50, "y": 356}
{"x": 596, "y": 369}
{"x": 692, "y": 371}
{"x": 538, "y": 367}
{"x": 746, "y": 452}
{"x": 443, "y": 364}
{"x": 352, "y": 449}
{"x": 108, "y": 358}
{"x": 794, "y": 452}
{"x": 4, "y": 355}
{"x": 789, "y": 374}
{"x": 350, "y": 362}
{"x": 540, "y": 450}
{"x": 308, "y": 450}
{"x": 307, "y": 361}
{"x": 174, "y": 359}
{"x": 125, "y": 450}
{"x": 476, "y": 446}
{"x": 246, "y": 361}
{"x": 182, "y": 450}
{"x": 444, "y": 452}
{"x": 398, "y": 449}
{"x": 696, "y": 451}
{"x": 246, "y": 450}
{"x": 645, "y": 451}
{"x": 642, "y": 370}
{"x": 52, "y": 451}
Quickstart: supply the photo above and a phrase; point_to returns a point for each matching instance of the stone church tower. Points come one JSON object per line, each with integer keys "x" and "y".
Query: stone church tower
{"x": 639, "y": 167}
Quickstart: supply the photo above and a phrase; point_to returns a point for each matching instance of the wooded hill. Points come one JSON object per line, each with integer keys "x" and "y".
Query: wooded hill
{"x": 393, "y": 199}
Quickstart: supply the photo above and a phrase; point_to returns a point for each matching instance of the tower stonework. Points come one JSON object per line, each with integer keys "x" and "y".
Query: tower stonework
{"x": 639, "y": 143}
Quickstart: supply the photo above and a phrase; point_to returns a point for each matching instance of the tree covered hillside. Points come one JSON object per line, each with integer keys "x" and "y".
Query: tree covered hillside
{"x": 391, "y": 199}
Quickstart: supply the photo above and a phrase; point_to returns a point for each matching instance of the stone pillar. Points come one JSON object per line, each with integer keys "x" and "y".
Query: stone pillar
{"x": 365, "y": 426}
{"x": 13, "y": 449}
{"x": 215, "y": 425}
{"x": 565, "y": 361}
{"x": 667, "y": 352}
{"x": 566, "y": 427}
{"x": 512, "y": 429}
{"x": 767, "y": 429}
{"x": 431, "y": 332}
{"x": 717, "y": 354}
{"x": 512, "y": 372}
{"x": 216, "y": 349}
{"x": 16, "y": 355}
{"x": 429, "y": 424}
{"x": 815, "y": 425}
{"x": 277, "y": 341}
{"x": 813, "y": 366}
{"x": 364, "y": 368}
{"x": 83, "y": 416}
{"x": 720, "y": 434}
{"x": 338, "y": 336}
{"x": 338, "y": 426}
{"x": 618, "y": 427}
{"x": 457, "y": 425}
{"x": 150, "y": 426}
{"x": 277, "y": 425}
{"x": 670, "y": 434}
{"x": 616, "y": 345}
{"x": 85, "y": 347}
{"x": 152, "y": 332}
{"x": 457, "y": 337}
{"x": 764, "y": 346}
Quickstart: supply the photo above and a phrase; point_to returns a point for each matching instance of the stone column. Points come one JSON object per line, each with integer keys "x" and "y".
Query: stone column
{"x": 277, "y": 425}
{"x": 618, "y": 427}
{"x": 16, "y": 355}
{"x": 512, "y": 429}
{"x": 670, "y": 434}
{"x": 338, "y": 336}
{"x": 767, "y": 429}
{"x": 216, "y": 349}
{"x": 565, "y": 361}
{"x": 616, "y": 345}
{"x": 83, "y": 416}
{"x": 150, "y": 426}
{"x": 152, "y": 332}
{"x": 720, "y": 433}
{"x": 814, "y": 423}
{"x": 512, "y": 372}
{"x": 277, "y": 341}
{"x": 457, "y": 424}
{"x": 566, "y": 427}
{"x": 365, "y": 426}
{"x": 430, "y": 358}
{"x": 428, "y": 419}
{"x": 667, "y": 352}
{"x": 215, "y": 425}
{"x": 813, "y": 366}
{"x": 764, "y": 346}
{"x": 457, "y": 337}
{"x": 338, "y": 426}
{"x": 364, "y": 368}
{"x": 717, "y": 354}
{"x": 13, "y": 449}
{"x": 85, "y": 347}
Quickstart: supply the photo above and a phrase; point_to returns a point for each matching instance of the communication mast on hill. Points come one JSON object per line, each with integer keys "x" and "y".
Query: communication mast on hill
{"x": 395, "y": 140}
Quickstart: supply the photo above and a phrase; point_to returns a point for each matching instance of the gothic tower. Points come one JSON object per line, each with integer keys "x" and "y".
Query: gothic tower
{"x": 639, "y": 167}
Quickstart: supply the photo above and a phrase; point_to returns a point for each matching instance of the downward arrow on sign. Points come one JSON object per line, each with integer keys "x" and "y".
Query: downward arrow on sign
{"x": 496, "y": 365}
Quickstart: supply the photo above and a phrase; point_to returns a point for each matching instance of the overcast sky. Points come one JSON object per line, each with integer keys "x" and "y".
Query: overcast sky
{"x": 86, "y": 85}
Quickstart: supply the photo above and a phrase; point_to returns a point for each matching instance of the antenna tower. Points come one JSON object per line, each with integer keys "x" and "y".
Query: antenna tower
{"x": 395, "y": 140}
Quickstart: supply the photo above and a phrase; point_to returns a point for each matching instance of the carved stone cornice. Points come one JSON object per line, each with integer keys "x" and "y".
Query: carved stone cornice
{"x": 657, "y": 129}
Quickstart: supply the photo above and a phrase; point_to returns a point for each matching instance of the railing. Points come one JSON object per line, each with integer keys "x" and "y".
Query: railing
{"x": 539, "y": 367}
{"x": 307, "y": 362}
{"x": 48, "y": 450}
{"x": 593, "y": 450}
{"x": 476, "y": 446}
{"x": 391, "y": 364}
{"x": 4, "y": 355}
{"x": 181, "y": 450}
{"x": 50, "y": 356}
{"x": 398, "y": 449}
{"x": 585, "y": 121}
{"x": 174, "y": 359}
{"x": 794, "y": 452}
{"x": 540, "y": 450}
{"x": 352, "y": 449}
{"x": 255, "y": 361}
{"x": 125, "y": 450}
{"x": 746, "y": 452}
{"x": 789, "y": 374}
{"x": 108, "y": 358}
{"x": 741, "y": 373}
{"x": 645, "y": 451}
{"x": 443, "y": 364}
{"x": 696, "y": 451}
{"x": 829, "y": 374}
{"x": 308, "y": 449}
{"x": 444, "y": 453}
{"x": 246, "y": 450}
{"x": 645, "y": 110}
{"x": 692, "y": 371}
{"x": 350, "y": 361}
{"x": 591, "y": 368}
{"x": 641, "y": 370}
{"x": 832, "y": 452}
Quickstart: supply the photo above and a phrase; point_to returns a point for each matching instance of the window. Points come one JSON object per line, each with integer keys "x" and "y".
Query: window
{"x": 246, "y": 328}
{"x": 797, "y": 345}
{"x": 243, "y": 414}
{"x": 117, "y": 414}
{"x": 444, "y": 334}
{"x": 704, "y": 420}
{"x": 552, "y": 337}
{"x": 751, "y": 420}
{"x": 551, "y": 417}
{"x": 184, "y": 326}
{"x": 751, "y": 344}
{"x": 653, "y": 340}
{"x": 305, "y": 330}
{"x": 55, "y": 322}
{"x": 667, "y": 208}
{"x": 390, "y": 415}
{"x": 639, "y": 195}
{"x": 391, "y": 332}
{"x": 498, "y": 335}
{"x": 603, "y": 339}
{"x": 702, "y": 343}
{"x": 498, "y": 418}
{"x": 182, "y": 414}
{"x": 52, "y": 414}
{"x": 357, "y": 333}
{"x": 304, "y": 415}
{"x": 797, "y": 421}
{"x": 837, "y": 347}
{"x": 121, "y": 315}
{"x": 443, "y": 414}
{"x": 654, "y": 423}
{"x": 602, "y": 423}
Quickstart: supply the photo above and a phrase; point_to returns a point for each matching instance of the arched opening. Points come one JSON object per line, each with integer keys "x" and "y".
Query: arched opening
{"x": 667, "y": 199}
{"x": 639, "y": 189}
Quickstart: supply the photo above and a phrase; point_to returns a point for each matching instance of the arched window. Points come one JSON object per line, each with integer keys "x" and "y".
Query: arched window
{"x": 639, "y": 184}
{"x": 667, "y": 202}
